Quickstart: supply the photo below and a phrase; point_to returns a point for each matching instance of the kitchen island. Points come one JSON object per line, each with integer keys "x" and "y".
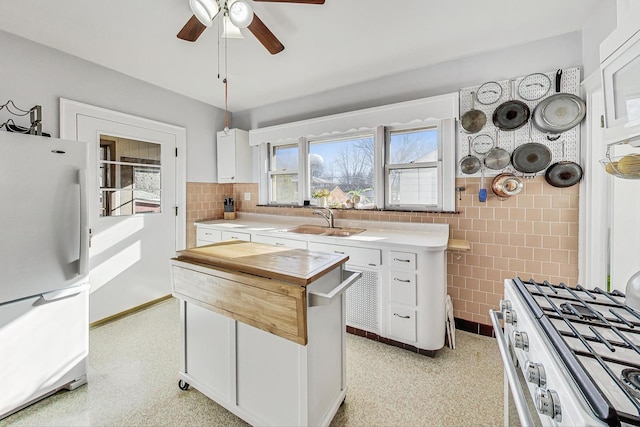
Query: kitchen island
{"x": 263, "y": 330}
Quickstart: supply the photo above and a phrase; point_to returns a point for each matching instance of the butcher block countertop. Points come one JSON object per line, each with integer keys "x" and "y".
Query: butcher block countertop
{"x": 261, "y": 285}
{"x": 297, "y": 266}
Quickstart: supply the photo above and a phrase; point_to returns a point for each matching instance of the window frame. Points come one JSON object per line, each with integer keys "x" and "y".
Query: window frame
{"x": 446, "y": 164}
{"x": 389, "y": 167}
{"x": 271, "y": 149}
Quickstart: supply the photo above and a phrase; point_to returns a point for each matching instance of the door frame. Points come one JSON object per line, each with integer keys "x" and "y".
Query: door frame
{"x": 70, "y": 111}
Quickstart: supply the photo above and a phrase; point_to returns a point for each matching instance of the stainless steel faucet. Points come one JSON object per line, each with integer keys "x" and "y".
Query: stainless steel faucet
{"x": 329, "y": 217}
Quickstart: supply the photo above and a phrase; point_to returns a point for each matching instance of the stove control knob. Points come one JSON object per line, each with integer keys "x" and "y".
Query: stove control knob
{"x": 510, "y": 317}
{"x": 548, "y": 403}
{"x": 534, "y": 373}
{"x": 521, "y": 340}
{"x": 505, "y": 304}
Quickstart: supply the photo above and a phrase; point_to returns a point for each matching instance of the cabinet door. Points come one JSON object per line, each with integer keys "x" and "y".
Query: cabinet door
{"x": 402, "y": 287}
{"x": 234, "y": 235}
{"x": 226, "y": 152}
{"x": 208, "y": 339}
{"x": 206, "y": 236}
{"x": 279, "y": 241}
{"x": 402, "y": 323}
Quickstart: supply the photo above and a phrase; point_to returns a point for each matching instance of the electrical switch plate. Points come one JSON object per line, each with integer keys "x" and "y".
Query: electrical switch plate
{"x": 247, "y": 196}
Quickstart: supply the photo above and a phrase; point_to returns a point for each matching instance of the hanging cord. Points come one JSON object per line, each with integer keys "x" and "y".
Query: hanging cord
{"x": 226, "y": 89}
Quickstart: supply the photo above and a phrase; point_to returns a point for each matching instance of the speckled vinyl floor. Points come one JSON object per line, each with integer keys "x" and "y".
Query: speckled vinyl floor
{"x": 132, "y": 381}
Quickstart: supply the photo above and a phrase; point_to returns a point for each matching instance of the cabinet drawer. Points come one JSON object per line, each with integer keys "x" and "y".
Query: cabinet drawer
{"x": 234, "y": 235}
{"x": 402, "y": 323}
{"x": 208, "y": 235}
{"x": 279, "y": 241}
{"x": 402, "y": 287}
{"x": 402, "y": 260}
{"x": 357, "y": 256}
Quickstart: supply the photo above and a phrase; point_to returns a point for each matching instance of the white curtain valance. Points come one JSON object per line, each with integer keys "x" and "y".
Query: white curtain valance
{"x": 419, "y": 110}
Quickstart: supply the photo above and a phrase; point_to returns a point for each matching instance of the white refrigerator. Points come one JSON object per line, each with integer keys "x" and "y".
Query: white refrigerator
{"x": 44, "y": 289}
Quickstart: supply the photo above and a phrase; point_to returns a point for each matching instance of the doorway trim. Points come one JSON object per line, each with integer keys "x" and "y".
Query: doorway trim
{"x": 70, "y": 111}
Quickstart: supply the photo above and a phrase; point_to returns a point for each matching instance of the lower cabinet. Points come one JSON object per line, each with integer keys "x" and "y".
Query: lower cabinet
{"x": 280, "y": 241}
{"x": 263, "y": 378}
{"x": 363, "y": 297}
{"x": 206, "y": 236}
{"x": 403, "y": 323}
{"x": 401, "y": 294}
{"x": 235, "y": 235}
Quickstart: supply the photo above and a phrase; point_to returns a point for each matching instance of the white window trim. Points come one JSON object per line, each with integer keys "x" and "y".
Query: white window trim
{"x": 443, "y": 109}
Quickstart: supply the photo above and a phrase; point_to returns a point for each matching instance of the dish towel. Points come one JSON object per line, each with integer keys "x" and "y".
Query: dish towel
{"x": 450, "y": 322}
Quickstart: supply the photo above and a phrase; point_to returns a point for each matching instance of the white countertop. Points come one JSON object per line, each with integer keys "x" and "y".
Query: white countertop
{"x": 430, "y": 237}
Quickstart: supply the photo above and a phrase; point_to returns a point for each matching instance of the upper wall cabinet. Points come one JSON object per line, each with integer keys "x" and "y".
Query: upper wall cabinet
{"x": 620, "y": 67}
{"x": 234, "y": 156}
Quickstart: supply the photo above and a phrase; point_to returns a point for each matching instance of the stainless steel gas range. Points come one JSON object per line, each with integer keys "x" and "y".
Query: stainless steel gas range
{"x": 571, "y": 353}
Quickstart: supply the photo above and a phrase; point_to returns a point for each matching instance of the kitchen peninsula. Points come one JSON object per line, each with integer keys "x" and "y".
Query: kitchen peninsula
{"x": 263, "y": 329}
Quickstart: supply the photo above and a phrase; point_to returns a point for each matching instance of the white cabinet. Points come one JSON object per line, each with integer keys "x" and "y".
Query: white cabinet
{"x": 401, "y": 294}
{"x": 206, "y": 236}
{"x": 363, "y": 297}
{"x": 235, "y": 235}
{"x": 280, "y": 241}
{"x": 263, "y": 378}
{"x": 234, "y": 157}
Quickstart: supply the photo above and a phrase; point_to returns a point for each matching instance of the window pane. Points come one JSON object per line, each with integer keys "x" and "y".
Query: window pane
{"x": 414, "y": 146}
{"x": 285, "y": 158}
{"x": 418, "y": 186}
{"x": 343, "y": 167}
{"x": 130, "y": 180}
{"x": 284, "y": 188}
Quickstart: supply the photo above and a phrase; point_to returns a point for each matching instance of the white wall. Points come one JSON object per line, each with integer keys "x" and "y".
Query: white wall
{"x": 541, "y": 56}
{"x": 33, "y": 74}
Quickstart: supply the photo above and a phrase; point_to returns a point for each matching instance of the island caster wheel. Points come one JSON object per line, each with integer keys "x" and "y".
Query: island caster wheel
{"x": 183, "y": 385}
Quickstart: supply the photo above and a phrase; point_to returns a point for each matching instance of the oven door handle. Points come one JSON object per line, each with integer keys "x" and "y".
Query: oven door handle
{"x": 510, "y": 374}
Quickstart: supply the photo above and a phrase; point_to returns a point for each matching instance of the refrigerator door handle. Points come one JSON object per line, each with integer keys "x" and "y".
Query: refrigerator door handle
{"x": 83, "y": 264}
{"x": 64, "y": 293}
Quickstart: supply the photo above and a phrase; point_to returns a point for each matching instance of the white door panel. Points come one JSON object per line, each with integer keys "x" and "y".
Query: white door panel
{"x": 129, "y": 255}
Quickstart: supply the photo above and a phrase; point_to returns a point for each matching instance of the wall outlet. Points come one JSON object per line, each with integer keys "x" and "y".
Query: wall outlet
{"x": 247, "y": 196}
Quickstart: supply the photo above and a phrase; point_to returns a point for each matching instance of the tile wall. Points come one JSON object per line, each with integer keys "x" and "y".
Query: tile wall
{"x": 533, "y": 234}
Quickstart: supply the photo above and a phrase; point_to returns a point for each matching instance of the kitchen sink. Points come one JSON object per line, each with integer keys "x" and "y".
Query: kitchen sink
{"x": 325, "y": 231}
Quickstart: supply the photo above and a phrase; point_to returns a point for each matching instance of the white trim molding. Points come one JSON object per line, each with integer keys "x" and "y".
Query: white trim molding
{"x": 70, "y": 111}
{"x": 415, "y": 111}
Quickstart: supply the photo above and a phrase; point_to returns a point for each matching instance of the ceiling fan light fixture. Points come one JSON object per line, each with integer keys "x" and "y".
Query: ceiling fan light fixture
{"x": 230, "y": 31}
{"x": 241, "y": 14}
{"x": 204, "y": 10}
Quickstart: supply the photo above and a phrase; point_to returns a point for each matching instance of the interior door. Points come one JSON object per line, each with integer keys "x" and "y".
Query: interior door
{"x": 130, "y": 251}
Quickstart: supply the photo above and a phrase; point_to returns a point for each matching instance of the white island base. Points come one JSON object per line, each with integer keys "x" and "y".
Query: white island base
{"x": 263, "y": 378}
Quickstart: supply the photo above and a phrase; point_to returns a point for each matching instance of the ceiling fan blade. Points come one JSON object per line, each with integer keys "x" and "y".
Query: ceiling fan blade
{"x": 191, "y": 30}
{"x": 294, "y": 1}
{"x": 265, "y": 36}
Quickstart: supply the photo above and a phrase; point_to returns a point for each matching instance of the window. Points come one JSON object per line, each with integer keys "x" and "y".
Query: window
{"x": 408, "y": 167}
{"x": 283, "y": 174}
{"x": 344, "y": 168}
{"x": 412, "y": 169}
{"x": 129, "y": 174}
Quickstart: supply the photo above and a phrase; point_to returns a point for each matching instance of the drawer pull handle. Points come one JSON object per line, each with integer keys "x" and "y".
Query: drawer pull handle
{"x": 402, "y": 260}
{"x": 339, "y": 252}
{"x": 373, "y": 265}
{"x": 401, "y": 280}
{"x": 402, "y": 317}
{"x": 279, "y": 244}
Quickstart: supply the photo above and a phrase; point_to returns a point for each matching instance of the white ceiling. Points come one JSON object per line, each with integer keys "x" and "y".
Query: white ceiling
{"x": 326, "y": 46}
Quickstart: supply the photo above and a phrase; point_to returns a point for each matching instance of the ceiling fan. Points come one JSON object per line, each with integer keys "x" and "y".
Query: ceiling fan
{"x": 241, "y": 16}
